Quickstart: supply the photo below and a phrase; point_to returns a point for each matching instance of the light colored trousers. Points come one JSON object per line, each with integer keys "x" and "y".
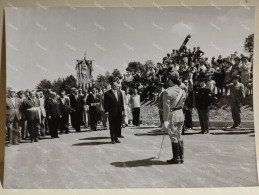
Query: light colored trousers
{"x": 176, "y": 121}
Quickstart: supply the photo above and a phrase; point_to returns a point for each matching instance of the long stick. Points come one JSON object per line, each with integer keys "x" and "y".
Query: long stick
{"x": 161, "y": 145}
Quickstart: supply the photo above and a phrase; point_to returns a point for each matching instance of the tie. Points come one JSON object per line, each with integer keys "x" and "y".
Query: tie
{"x": 116, "y": 94}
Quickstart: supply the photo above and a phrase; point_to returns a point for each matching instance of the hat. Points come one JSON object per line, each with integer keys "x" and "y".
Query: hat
{"x": 20, "y": 92}
{"x": 174, "y": 76}
{"x": 243, "y": 57}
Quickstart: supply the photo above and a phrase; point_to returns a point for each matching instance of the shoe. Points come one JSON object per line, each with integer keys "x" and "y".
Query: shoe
{"x": 201, "y": 132}
{"x": 57, "y": 137}
{"x": 236, "y": 127}
{"x": 206, "y": 132}
{"x": 121, "y": 136}
{"x": 36, "y": 140}
{"x": 113, "y": 142}
{"x": 118, "y": 141}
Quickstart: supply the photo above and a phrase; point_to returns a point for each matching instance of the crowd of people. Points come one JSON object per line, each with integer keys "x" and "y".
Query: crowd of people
{"x": 184, "y": 80}
{"x": 32, "y": 114}
{"x": 217, "y": 74}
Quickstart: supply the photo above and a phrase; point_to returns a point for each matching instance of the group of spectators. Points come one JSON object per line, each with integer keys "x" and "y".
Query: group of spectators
{"x": 190, "y": 64}
{"x": 33, "y": 114}
{"x": 228, "y": 79}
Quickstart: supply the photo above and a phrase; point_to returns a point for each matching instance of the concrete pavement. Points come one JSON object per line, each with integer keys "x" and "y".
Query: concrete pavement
{"x": 88, "y": 160}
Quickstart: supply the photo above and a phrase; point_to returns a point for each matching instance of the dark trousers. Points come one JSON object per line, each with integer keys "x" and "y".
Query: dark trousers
{"x": 204, "y": 118}
{"x": 53, "y": 127}
{"x": 63, "y": 124}
{"x": 76, "y": 120}
{"x": 33, "y": 127}
{"x": 13, "y": 131}
{"x": 235, "y": 109}
{"x": 161, "y": 117}
{"x": 135, "y": 114}
{"x": 104, "y": 118}
{"x": 188, "y": 117}
{"x": 115, "y": 128}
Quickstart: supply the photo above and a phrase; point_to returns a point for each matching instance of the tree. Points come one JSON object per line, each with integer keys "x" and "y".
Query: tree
{"x": 69, "y": 82}
{"x": 249, "y": 44}
{"x": 101, "y": 81}
{"x": 57, "y": 84}
{"x": 44, "y": 84}
{"x": 134, "y": 66}
{"x": 116, "y": 73}
{"x": 149, "y": 63}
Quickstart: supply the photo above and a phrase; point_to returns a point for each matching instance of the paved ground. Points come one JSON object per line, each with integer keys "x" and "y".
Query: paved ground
{"x": 88, "y": 160}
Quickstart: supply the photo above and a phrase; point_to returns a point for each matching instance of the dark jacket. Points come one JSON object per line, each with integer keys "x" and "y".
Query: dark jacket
{"x": 64, "y": 106}
{"x": 28, "y": 103}
{"x": 53, "y": 109}
{"x": 112, "y": 105}
{"x": 202, "y": 98}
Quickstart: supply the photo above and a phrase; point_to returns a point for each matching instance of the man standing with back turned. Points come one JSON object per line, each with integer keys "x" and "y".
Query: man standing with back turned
{"x": 114, "y": 108}
{"x": 173, "y": 101}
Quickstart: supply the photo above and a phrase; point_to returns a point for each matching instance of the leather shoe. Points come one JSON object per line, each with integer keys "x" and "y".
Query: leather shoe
{"x": 121, "y": 136}
{"x": 113, "y": 142}
{"x": 118, "y": 141}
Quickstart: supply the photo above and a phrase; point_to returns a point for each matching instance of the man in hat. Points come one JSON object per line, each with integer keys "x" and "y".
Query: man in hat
{"x": 202, "y": 102}
{"x": 32, "y": 106}
{"x": 13, "y": 117}
{"x": 114, "y": 108}
{"x": 93, "y": 101}
{"x": 77, "y": 105}
{"x": 53, "y": 114}
{"x": 173, "y": 102}
{"x": 23, "y": 121}
{"x": 64, "y": 105}
{"x": 40, "y": 96}
{"x": 237, "y": 94}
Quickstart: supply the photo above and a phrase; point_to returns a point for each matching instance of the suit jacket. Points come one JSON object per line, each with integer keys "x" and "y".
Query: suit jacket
{"x": 91, "y": 99}
{"x": 112, "y": 105}
{"x": 31, "y": 115}
{"x": 64, "y": 106}
{"x": 13, "y": 110}
{"x": 77, "y": 104}
{"x": 53, "y": 109}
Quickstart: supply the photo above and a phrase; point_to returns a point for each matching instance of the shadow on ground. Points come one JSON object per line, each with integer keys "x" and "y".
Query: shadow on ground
{"x": 232, "y": 133}
{"x": 91, "y": 143}
{"x": 139, "y": 163}
{"x": 94, "y": 138}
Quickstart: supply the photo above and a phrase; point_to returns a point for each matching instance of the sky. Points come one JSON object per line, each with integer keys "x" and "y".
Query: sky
{"x": 44, "y": 43}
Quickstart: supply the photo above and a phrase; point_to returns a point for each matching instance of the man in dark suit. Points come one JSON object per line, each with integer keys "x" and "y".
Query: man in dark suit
{"x": 64, "y": 109}
{"x": 53, "y": 114}
{"x": 32, "y": 106}
{"x": 76, "y": 104}
{"x": 13, "y": 116}
{"x": 93, "y": 101}
{"x": 114, "y": 107}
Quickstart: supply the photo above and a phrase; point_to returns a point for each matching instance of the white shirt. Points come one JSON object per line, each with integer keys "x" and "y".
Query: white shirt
{"x": 115, "y": 93}
{"x": 135, "y": 101}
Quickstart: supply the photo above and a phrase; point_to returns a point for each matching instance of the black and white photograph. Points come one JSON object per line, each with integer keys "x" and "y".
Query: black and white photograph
{"x": 129, "y": 97}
